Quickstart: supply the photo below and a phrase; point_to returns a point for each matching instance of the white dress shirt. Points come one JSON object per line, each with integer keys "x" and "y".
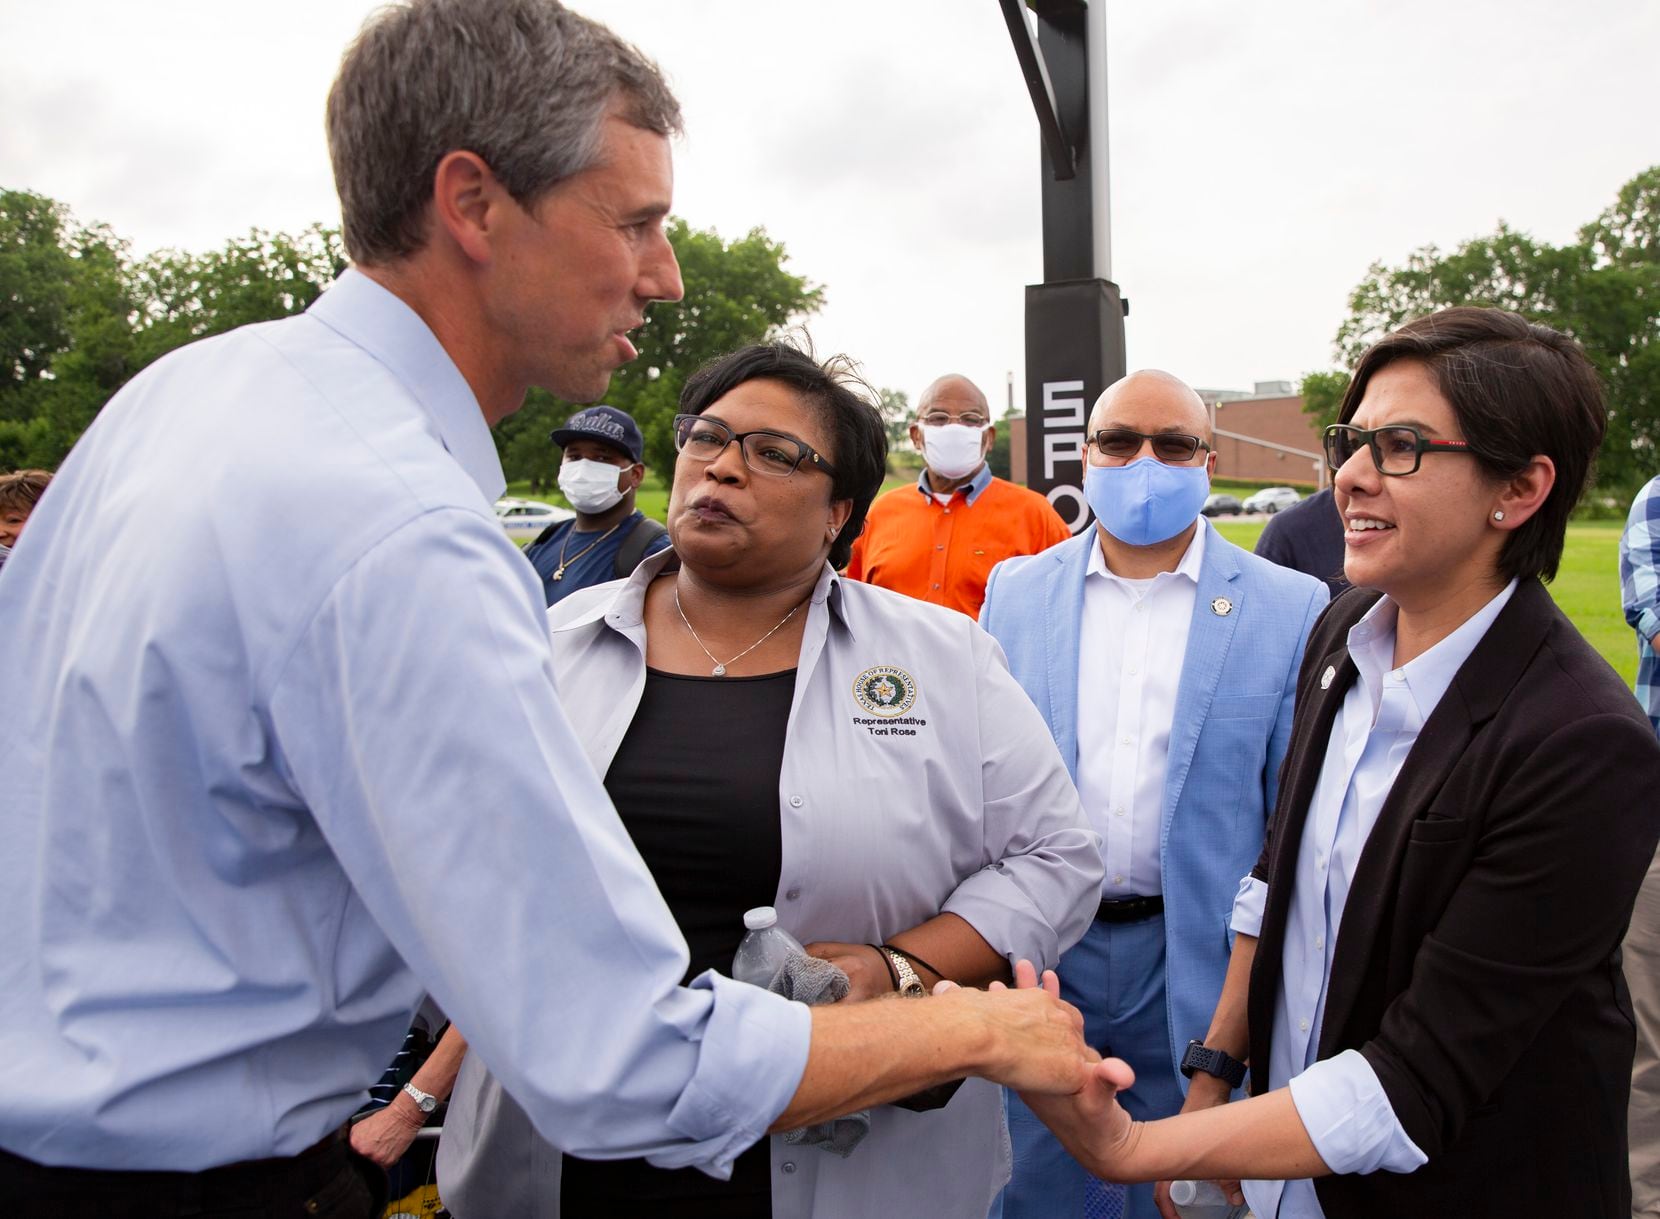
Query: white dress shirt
{"x": 1340, "y": 1101}
{"x": 283, "y": 749}
{"x": 1131, "y": 645}
{"x": 951, "y": 799}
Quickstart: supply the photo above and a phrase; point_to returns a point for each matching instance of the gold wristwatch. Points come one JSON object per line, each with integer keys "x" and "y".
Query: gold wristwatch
{"x": 910, "y": 986}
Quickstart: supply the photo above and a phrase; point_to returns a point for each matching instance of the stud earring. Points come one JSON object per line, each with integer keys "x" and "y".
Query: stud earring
{"x": 1498, "y": 516}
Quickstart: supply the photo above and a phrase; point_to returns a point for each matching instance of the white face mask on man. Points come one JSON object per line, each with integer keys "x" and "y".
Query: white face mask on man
{"x": 952, "y": 451}
{"x": 591, "y": 486}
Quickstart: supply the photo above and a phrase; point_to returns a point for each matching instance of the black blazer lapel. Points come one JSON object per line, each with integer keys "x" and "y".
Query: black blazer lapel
{"x": 1318, "y": 701}
{"x": 1477, "y": 691}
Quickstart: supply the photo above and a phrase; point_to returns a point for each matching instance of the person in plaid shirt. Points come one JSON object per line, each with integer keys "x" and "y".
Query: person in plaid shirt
{"x": 1640, "y": 590}
{"x": 1640, "y": 593}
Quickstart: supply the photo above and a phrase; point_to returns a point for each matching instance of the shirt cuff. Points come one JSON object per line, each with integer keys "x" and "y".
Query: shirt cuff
{"x": 1648, "y": 622}
{"x": 1248, "y": 905}
{"x": 749, "y": 1066}
{"x": 1349, "y": 1119}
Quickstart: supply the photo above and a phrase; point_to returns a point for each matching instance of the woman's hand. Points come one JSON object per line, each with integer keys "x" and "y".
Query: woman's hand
{"x": 1204, "y": 1092}
{"x": 867, "y": 972}
{"x": 385, "y": 1135}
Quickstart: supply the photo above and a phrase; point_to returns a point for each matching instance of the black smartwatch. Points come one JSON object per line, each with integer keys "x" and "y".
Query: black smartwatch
{"x": 1226, "y": 1067}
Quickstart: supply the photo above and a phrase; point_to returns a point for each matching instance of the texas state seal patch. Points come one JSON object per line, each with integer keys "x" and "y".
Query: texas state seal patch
{"x": 885, "y": 690}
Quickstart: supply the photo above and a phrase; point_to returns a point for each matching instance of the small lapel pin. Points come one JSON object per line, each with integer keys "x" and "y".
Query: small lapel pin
{"x": 1329, "y": 676}
{"x": 1221, "y": 607}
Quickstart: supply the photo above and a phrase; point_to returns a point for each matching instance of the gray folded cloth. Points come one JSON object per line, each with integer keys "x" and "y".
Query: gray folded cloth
{"x": 811, "y": 981}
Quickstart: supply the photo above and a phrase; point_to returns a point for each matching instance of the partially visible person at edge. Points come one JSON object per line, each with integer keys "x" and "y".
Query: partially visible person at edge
{"x": 602, "y": 463}
{"x": 1164, "y": 659}
{"x": 1640, "y": 598}
{"x": 20, "y": 491}
{"x": 1307, "y": 537}
{"x": 279, "y": 770}
{"x": 939, "y": 540}
{"x": 778, "y": 735}
{"x": 1469, "y": 795}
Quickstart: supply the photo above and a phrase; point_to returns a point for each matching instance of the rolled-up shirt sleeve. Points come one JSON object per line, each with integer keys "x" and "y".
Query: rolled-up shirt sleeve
{"x": 1042, "y": 881}
{"x": 419, "y": 720}
{"x": 1349, "y": 1119}
{"x": 1248, "y": 905}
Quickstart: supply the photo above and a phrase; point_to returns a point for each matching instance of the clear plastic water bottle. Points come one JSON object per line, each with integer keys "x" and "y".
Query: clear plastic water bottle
{"x": 765, "y": 949}
{"x": 1202, "y": 1200}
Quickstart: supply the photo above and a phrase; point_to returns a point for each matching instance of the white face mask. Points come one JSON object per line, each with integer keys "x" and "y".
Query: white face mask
{"x": 591, "y": 486}
{"x": 952, "y": 451}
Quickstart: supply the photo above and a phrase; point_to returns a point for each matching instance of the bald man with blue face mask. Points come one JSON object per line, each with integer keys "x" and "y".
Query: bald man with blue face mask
{"x": 1164, "y": 659}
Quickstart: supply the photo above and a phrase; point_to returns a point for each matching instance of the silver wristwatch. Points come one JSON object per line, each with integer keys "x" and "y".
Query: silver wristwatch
{"x": 910, "y": 986}
{"x": 425, "y": 1101}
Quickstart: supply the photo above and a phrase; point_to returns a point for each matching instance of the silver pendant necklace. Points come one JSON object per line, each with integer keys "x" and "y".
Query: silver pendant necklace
{"x": 566, "y": 545}
{"x": 720, "y": 666}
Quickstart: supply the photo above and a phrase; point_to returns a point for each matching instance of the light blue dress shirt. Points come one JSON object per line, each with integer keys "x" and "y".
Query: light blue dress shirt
{"x": 282, "y": 748}
{"x": 1340, "y": 1101}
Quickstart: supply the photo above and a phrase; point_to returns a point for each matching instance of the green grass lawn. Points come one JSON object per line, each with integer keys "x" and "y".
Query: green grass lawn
{"x": 1587, "y": 588}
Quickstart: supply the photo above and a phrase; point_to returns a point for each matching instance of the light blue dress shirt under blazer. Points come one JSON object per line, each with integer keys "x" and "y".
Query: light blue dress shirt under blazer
{"x": 1339, "y": 1099}
{"x": 282, "y": 748}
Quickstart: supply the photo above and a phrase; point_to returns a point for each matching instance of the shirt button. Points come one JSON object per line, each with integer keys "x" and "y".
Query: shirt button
{"x": 792, "y": 894}
{"x": 1117, "y": 812}
{"x": 1118, "y": 880}
{"x": 1134, "y": 670}
{"x": 936, "y": 586}
{"x": 1139, "y": 607}
{"x": 939, "y": 548}
{"x": 1125, "y": 741}
{"x": 948, "y": 512}
{"x": 1320, "y": 862}
{"x": 1398, "y": 675}
{"x": 795, "y": 801}
{"x": 1302, "y": 1026}
{"x": 1319, "y": 940}
{"x": 788, "y": 1166}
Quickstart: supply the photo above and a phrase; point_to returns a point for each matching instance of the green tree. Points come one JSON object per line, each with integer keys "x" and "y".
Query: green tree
{"x": 737, "y": 292}
{"x": 999, "y": 457}
{"x": 65, "y": 326}
{"x": 1603, "y": 288}
{"x": 1322, "y": 394}
{"x": 80, "y": 317}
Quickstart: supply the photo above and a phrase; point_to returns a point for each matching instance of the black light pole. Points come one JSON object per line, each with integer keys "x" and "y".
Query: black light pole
{"x": 1075, "y": 318}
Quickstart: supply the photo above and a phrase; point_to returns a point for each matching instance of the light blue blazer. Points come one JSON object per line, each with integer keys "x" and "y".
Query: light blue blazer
{"x": 1232, "y": 724}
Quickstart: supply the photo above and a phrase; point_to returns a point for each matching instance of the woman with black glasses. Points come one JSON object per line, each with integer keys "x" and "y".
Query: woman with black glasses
{"x": 1426, "y": 983}
{"x": 775, "y": 735}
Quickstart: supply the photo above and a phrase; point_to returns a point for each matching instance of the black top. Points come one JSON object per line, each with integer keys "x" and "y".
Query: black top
{"x": 1308, "y": 537}
{"x": 696, "y": 784}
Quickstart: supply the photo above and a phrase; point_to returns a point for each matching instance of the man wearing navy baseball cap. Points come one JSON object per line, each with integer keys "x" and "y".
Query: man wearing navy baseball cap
{"x": 602, "y": 467}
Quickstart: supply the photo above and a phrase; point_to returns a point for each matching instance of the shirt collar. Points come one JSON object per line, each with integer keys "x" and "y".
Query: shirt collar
{"x": 1427, "y": 677}
{"x": 1192, "y": 561}
{"x": 366, "y": 314}
{"x": 971, "y": 489}
{"x": 627, "y": 610}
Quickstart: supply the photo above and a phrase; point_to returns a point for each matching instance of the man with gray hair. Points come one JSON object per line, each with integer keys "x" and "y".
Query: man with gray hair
{"x": 284, "y": 749}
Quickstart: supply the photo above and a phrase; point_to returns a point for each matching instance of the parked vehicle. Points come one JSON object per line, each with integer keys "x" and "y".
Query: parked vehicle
{"x": 1271, "y": 499}
{"x": 1221, "y": 505}
{"x": 525, "y": 518}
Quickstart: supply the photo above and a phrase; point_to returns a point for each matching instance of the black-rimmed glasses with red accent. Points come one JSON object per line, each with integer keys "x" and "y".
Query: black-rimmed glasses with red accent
{"x": 1396, "y": 450}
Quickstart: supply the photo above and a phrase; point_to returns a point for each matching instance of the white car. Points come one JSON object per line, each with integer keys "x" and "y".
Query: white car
{"x": 1271, "y": 499}
{"x": 525, "y": 518}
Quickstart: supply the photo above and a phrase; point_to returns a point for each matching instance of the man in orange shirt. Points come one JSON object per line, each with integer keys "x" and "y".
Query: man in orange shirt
{"x": 939, "y": 540}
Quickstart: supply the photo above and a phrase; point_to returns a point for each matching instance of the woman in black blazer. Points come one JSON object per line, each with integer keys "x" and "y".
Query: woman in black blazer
{"x": 1426, "y": 978}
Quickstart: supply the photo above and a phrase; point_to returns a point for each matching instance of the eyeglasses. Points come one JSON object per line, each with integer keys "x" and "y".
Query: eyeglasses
{"x": 941, "y": 419}
{"x": 1172, "y": 448}
{"x": 704, "y": 439}
{"x": 1396, "y": 450}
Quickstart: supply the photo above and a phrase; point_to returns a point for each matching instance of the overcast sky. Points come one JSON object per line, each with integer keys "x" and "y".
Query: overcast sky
{"x": 1262, "y": 154}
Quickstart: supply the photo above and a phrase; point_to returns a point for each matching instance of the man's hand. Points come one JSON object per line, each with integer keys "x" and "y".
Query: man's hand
{"x": 1203, "y": 1092}
{"x": 867, "y": 973}
{"x": 385, "y": 1135}
{"x": 1087, "y": 1119}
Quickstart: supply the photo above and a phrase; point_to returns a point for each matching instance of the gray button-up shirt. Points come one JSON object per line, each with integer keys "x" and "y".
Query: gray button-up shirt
{"x": 917, "y": 779}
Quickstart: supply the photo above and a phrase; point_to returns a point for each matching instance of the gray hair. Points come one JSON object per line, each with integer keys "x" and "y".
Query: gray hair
{"x": 525, "y": 84}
